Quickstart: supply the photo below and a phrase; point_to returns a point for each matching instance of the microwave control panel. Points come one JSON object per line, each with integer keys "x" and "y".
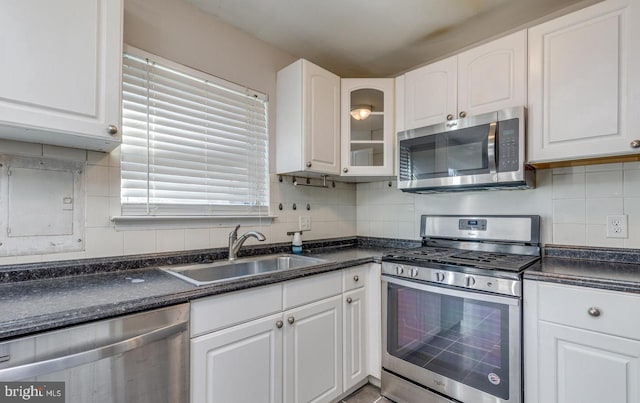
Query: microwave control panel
{"x": 508, "y": 146}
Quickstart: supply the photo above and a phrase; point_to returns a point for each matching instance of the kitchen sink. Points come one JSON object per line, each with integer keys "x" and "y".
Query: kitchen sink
{"x": 210, "y": 273}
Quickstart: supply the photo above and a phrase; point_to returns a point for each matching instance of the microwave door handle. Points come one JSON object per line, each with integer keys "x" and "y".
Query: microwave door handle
{"x": 491, "y": 147}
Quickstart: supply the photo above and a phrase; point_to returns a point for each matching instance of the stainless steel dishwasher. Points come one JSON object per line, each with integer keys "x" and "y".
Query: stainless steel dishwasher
{"x": 135, "y": 358}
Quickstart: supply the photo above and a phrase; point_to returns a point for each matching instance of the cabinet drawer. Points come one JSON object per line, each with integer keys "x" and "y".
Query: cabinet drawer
{"x": 213, "y": 313}
{"x": 570, "y": 305}
{"x": 355, "y": 277}
{"x": 309, "y": 289}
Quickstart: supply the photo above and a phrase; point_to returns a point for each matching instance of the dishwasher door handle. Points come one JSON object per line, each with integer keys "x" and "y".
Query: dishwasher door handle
{"x": 84, "y": 357}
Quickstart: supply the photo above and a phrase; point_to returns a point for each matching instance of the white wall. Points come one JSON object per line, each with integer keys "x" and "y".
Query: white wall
{"x": 573, "y": 203}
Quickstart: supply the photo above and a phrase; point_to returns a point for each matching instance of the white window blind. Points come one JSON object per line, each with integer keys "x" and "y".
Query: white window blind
{"x": 192, "y": 144}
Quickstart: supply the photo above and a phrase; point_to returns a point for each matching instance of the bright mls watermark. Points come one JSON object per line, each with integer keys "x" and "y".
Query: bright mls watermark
{"x": 38, "y": 392}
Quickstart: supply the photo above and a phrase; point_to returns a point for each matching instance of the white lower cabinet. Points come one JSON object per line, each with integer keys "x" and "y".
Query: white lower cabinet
{"x": 355, "y": 347}
{"x": 581, "y": 345}
{"x": 239, "y": 364}
{"x": 313, "y": 352}
{"x": 300, "y": 341}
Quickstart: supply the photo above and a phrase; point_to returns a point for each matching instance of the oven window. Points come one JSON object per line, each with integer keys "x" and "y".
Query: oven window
{"x": 462, "y": 339}
{"x": 457, "y": 153}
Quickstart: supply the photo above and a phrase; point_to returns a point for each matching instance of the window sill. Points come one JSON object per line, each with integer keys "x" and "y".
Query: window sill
{"x": 123, "y": 223}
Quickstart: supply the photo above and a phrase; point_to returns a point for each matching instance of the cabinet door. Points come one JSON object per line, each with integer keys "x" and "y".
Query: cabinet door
{"x": 321, "y": 97}
{"x": 584, "y": 83}
{"x": 493, "y": 76}
{"x": 430, "y": 93}
{"x": 588, "y": 367}
{"x": 60, "y": 72}
{"x": 239, "y": 364}
{"x": 355, "y": 327}
{"x": 367, "y": 142}
{"x": 313, "y": 352}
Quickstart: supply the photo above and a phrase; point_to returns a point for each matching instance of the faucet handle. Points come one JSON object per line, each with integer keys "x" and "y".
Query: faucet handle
{"x": 234, "y": 234}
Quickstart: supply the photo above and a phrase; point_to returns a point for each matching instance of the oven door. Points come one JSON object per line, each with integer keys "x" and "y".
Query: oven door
{"x": 466, "y": 345}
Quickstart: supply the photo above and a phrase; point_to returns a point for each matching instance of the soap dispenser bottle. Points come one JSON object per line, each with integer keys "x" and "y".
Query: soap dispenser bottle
{"x": 296, "y": 245}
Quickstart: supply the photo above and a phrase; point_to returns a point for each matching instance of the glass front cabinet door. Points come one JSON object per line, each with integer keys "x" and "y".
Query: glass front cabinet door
{"x": 367, "y": 126}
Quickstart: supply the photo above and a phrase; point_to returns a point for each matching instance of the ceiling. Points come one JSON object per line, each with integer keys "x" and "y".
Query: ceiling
{"x": 377, "y": 38}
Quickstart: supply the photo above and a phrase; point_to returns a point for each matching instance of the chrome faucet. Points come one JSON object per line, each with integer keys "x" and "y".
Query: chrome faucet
{"x": 235, "y": 243}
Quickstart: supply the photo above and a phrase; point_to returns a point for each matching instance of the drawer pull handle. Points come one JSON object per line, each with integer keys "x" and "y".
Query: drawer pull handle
{"x": 291, "y": 319}
{"x": 349, "y": 300}
{"x": 279, "y": 324}
{"x": 356, "y": 278}
{"x": 595, "y": 312}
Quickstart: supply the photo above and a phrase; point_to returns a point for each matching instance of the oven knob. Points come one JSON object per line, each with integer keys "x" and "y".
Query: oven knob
{"x": 470, "y": 281}
{"x": 399, "y": 270}
{"x": 440, "y": 276}
{"x": 414, "y": 272}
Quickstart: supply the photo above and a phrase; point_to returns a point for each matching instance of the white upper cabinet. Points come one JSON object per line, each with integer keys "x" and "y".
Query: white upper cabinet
{"x": 584, "y": 84}
{"x": 60, "y": 72}
{"x": 486, "y": 78}
{"x": 431, "y": 93}
{"x": 308, "y": 121}
{"x": 367, "y": 142}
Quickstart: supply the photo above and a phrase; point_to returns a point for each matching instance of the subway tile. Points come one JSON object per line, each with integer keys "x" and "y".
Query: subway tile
{"x": 568, "y": 170}
{"x": 390, "y": 229}
{"x": 97, "y": 180}
{"x": 114, "y": 182}
{"x": 66, "y": 153}
{"x": 569, "y": 234}
{"x": 604, "y": 184}
{"x": 136, "y": 242}
{"x": 631, "y": 165}
{"x": 101, "y": 242}
{"x": 632, "y": 209}
{"x": 97, "y": 211}
{"x": 603, "y": 167}
{"x": 20, "y": 148}
{"x": 632, "y": 183}
{"x": 598, "y": 209}
{"x": 114, "y": 158}
{"x": 196, "y": 238}
{"x": 170, "y": 240}
{"x": 568, "y": 186}
{"x": 98, "y": 158}
{"x": 569, "y": 211}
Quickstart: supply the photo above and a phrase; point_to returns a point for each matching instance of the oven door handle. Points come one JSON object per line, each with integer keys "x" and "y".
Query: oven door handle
{"x": 451, "y": 292}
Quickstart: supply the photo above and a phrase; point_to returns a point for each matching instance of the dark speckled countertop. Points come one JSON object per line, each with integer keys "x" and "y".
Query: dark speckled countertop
{"x": 605, "y": 268}
{"x": 48, "y": 303}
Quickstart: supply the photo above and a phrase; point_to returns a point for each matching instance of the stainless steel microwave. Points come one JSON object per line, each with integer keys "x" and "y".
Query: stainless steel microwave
{"x": 478, "y": 152}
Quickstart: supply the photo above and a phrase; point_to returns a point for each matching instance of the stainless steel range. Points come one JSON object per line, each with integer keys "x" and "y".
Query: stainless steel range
{"x": 452, "y": 310}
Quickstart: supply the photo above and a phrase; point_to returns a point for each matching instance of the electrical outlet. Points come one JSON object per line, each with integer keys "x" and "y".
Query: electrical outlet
{"x": 305, "y": 223}
{"x": 617, "y": 226}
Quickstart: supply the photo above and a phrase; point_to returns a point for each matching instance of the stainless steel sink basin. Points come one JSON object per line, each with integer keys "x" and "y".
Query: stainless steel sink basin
{"x": 209, "y": 273}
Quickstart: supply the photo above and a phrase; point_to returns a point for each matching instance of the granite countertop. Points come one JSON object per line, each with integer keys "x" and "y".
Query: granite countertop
{"x": 49, "y": 303}
{"x": 605, "y": 268}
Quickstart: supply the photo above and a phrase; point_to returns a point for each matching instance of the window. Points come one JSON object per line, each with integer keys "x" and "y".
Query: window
{"x": 192, "y": 144}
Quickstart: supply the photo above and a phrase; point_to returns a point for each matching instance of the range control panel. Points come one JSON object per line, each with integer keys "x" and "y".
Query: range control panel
{"x": 472, "y": 224}
{"x": 456, "y": 279}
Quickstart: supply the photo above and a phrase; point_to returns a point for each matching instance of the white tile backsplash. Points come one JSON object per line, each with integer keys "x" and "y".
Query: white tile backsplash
{"x": 573, "y": 203}
{"x": 604, "y": 183}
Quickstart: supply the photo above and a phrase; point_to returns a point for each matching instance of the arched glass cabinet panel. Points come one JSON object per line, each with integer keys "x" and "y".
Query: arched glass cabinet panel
{"x": 367, "y": 127}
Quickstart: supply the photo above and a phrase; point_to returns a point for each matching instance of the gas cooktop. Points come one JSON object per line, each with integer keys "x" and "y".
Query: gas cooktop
{"x": 459, "y": 257}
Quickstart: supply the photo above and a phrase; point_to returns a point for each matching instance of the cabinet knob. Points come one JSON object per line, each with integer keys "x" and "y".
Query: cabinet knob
{"x": 291, "y": 319}
{"x": 463, "y": 114}
{"x": 593, "y": 311}
{"x": 356, "y": 278}
{"x": 279, "y": 324}
{"x": 449, "y": 117}
{"x": 349, "y": 300}
{"x": 112, "y": 129}
{"x": 635, "y": 144}
{"x": 308, "y": 164}
{"x": 345, "y": 170}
